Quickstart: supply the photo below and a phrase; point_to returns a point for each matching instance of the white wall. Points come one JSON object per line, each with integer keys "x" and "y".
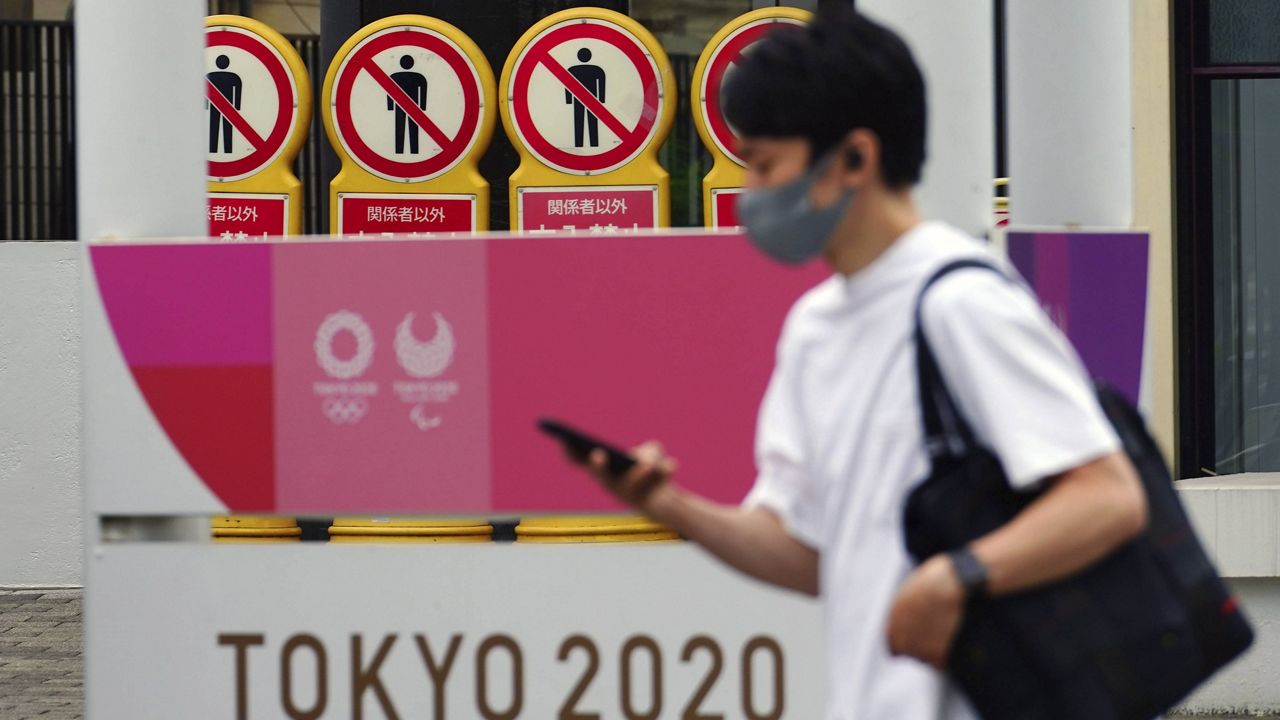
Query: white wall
{"x": 1249, "y": 686}
{"x": 40, "y": 537}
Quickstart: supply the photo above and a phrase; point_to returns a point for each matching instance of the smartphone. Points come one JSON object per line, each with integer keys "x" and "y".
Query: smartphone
{"x": 581, "y": 444}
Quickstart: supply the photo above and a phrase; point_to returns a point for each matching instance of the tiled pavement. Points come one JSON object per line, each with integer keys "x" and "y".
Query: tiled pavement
{"x": 41, "y": 660}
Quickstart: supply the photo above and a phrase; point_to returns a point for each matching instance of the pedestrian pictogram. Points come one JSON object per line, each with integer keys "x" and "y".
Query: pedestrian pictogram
{"x": 407, "y": 103}
{"x": 414, "y": 84}
{"x": 592, "y": 78}
{"x": 231, "y": 88}
{"x": 718, "y": 61}
{"x": 586, "y": 96}
{"x": 251, "y": 99}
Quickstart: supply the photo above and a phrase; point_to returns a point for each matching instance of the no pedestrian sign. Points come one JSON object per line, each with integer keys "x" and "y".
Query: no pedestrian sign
{"x": 723, "y": 60}
{"x": 251, "y": 101}
{"x": 585, "y": 96}
{"x": 407, "y": 104}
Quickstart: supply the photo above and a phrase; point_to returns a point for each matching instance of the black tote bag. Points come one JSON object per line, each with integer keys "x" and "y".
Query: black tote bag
{"x": 1124, "y": 639}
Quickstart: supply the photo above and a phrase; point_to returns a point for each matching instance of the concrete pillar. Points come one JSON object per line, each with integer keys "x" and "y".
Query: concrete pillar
{"x": 1069, "y": 113}
{"x": 140, "y": 161}
{"x": 139, "y": 118}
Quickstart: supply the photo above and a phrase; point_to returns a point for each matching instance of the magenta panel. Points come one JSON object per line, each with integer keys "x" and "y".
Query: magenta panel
{"x": 663, "y": 336}
{"x": 187, "y": 304}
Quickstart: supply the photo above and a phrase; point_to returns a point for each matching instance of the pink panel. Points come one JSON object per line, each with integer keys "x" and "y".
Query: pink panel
{"x": 637, "y": 337}
{"x": 375, "y": 412}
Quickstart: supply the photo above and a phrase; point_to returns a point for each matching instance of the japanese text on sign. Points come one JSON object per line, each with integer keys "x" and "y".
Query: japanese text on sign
{"x": 404, "y": 213}
{"x": 232, "y": 213}
{"x": 587, "y": 206}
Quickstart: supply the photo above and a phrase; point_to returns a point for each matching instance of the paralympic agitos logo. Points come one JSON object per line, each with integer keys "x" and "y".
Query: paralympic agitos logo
{"x": 344, "y": 349}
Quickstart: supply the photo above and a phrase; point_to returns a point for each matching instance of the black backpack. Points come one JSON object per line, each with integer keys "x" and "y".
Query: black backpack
{"x": 1124, "y": 639}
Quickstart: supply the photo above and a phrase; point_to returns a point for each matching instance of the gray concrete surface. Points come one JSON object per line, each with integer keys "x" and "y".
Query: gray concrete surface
{"x": 41, "y": 655}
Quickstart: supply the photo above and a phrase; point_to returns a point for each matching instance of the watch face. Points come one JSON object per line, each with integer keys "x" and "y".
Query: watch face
{"x": 970, "y": 570}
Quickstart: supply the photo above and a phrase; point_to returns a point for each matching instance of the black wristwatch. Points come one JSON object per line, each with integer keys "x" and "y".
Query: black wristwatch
{"x": 971, "y": 572}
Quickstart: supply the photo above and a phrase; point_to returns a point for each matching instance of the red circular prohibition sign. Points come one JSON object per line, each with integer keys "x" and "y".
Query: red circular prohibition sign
{"x": 362, "y": 59}
{"x": 264, "y": 151}
{"x": 725, "y": 55}
{"x": 540, "y": 52}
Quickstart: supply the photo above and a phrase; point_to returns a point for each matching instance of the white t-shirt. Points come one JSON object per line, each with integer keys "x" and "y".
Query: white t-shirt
{"x": 839, "y": 443}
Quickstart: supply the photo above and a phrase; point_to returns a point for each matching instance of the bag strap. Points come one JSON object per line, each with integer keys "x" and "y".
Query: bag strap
{"x": 947, "y": 435}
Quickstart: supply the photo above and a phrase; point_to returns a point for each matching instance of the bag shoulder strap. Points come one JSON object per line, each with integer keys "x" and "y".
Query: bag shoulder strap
{"x": 947, "y": 435}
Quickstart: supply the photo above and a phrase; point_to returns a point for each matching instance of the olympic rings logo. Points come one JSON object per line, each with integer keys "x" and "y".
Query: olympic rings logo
{"x": 344, "y": 411}
{"x": 340, "y": 321}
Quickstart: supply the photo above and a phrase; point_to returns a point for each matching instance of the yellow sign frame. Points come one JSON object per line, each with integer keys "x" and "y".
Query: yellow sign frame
{"x": 276, "y": 178}
{"x": 726, "y": 173}
{"x": 463, "y": 178}
{"x": 643, "y": 169}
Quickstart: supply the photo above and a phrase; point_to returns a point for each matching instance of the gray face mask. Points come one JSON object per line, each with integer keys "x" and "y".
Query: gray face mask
{"x": 782, "y": 222}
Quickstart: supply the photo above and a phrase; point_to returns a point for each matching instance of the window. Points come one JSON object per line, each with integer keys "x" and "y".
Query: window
{"x": 1228, "y": 236}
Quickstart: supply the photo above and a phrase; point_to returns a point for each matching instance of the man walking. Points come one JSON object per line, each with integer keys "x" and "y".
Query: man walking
{"x": 832, "y": 121}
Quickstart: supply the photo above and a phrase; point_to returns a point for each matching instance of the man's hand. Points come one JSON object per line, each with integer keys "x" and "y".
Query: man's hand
{"x": 927, "y": 612}
{"x": 638, "y": 487}
{"x": 752, "y": 540}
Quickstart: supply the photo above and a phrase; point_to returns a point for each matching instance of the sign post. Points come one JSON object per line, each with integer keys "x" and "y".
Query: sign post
{"x": 721, "y": 186}
{"x": 258, "y": 101}
{"x": 586, "y": 102}
{"x": 409, "y": 109}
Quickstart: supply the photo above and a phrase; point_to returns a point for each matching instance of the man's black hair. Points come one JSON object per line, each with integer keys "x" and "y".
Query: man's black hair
{"x": 819, "y": 82}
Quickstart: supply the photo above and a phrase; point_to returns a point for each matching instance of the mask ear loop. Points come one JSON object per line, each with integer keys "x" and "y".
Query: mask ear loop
{"x": 823, "y": 164}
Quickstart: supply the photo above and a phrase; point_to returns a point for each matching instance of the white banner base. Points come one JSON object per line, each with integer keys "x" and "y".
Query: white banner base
{"x": 441, "y": 631}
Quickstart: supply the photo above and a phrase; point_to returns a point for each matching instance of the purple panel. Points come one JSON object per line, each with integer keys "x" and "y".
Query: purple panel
{"x": 185, "y": 305}
{"x": 1108, "y": 306}
{"x": 1094, "y": 287}
{"x": 1022, "y": 251}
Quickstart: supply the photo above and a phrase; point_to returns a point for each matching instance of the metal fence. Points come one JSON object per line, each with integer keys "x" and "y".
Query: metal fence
{"x": 683, "y": 155}
{"x": 37, "y": 137}
{"x": 37, "y": 131}
{"x": 315, "y": 187}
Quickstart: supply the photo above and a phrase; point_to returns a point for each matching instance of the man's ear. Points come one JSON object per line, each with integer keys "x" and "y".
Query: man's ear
{"x": 860, "y": 158}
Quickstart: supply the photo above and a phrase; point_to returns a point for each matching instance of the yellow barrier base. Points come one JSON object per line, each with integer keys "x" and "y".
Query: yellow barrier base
{"x": 253, "y": 528}
{"x": 409, "y": 530}
{"x": 593, "y": 529}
